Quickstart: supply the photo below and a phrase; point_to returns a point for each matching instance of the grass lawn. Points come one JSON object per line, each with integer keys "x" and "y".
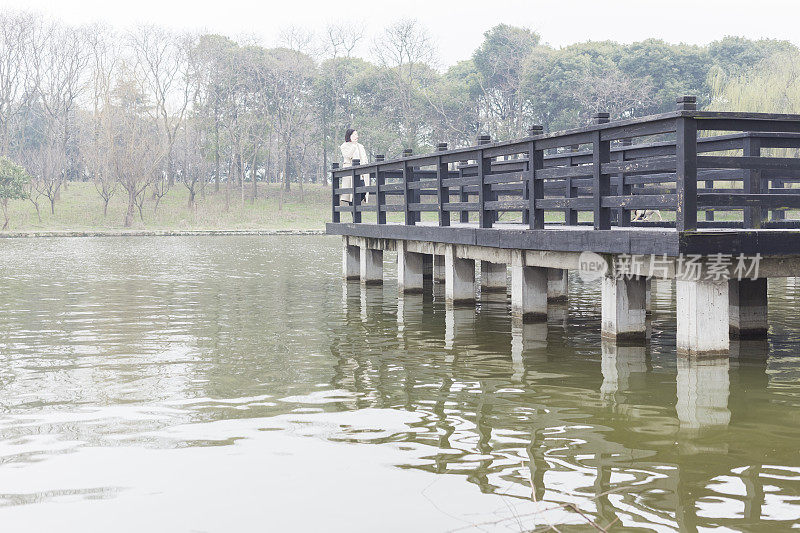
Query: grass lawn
{"x": 81, "y": 208}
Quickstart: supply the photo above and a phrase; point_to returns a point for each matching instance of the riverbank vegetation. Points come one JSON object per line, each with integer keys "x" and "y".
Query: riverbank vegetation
{"x": 150, "y": 127}
{"x": 81, "y": 208}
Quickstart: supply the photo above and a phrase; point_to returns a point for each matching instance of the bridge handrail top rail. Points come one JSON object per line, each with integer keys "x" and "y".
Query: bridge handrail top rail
{"x": 699, "y": 115}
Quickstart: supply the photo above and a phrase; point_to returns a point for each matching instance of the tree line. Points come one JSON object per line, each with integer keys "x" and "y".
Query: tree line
{"x": 142, "y": 112}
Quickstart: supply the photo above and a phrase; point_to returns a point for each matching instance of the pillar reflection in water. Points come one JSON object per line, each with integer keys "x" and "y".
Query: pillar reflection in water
{"x": 617, "y": 364}
{"x": 458, "y": 320}
{"x": 558, "y": 313}
{"x": 371, "y": 301}
{"x": 703, "y": 386}
{"x": 525, "y": 337}
{"x": 409, "y": 312}
{"x": 350, "y": 294}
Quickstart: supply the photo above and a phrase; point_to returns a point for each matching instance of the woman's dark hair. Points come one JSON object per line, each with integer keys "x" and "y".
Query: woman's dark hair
{"x": 347, "y": 134}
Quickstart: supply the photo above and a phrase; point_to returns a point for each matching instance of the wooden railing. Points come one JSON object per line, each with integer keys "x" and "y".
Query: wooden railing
{"x": 597, "y": 175}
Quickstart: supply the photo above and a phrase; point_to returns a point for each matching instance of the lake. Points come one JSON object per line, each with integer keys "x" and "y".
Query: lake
{"x": 239, "y": 384}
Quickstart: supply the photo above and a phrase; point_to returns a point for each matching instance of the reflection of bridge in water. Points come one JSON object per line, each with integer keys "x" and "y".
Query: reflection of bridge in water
{"x": 510, "y": 404}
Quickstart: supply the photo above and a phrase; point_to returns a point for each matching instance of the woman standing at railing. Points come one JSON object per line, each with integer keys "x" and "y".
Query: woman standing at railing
{"x": 351, "y": 149}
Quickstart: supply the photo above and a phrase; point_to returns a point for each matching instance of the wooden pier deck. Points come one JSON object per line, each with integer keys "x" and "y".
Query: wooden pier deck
{"x": 713, "y": 184}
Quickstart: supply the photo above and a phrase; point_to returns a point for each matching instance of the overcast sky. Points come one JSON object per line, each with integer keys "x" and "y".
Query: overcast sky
{"x": 457, "y": 26}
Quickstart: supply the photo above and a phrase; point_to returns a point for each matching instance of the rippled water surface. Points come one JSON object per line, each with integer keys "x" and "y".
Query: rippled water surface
{"x": 238, "y": 384}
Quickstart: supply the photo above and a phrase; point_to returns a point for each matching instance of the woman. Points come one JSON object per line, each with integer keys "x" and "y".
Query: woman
{"x": 351, "y": 149}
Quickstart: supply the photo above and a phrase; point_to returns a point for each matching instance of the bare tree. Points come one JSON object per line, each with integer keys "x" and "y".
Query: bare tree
{"x": 162, "y": 68}
{"x": 58, "y": 61}
{"x": 291, "y": 75}
{"x": 15, "y": 46}
{"x": 342, "y": 38}
{"x": 136, "y": 151}
{"x": 191, "y": 148}
{"x": 96, "y": 135}
{"x": 614, "y": 92}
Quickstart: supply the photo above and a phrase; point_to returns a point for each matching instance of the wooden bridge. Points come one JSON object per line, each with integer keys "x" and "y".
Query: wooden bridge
{"x": 716, "y": 191}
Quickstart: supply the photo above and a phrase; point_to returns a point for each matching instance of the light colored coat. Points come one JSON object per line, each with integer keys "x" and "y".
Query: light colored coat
{"x": 350, "y": 151}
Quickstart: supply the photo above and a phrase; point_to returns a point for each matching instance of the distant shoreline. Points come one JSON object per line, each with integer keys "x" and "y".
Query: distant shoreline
{"x": 156, "y": 233}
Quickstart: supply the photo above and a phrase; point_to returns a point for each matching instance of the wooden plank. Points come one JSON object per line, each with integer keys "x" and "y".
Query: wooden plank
{"x": 565, "y": 172}
{"x": 652, "y": 127}
{"x": 565, "y": 139}
{"x": 638, "y": 166}
{"x": 462, "y": 206}
{"x": 426, "y": 184}
{"x": 771, "y": 201}
{"x": 505, "y": 148}
{"x": 504, "y": 177}
{"x": 459, "y": 182}
{"x": 750, "y": 125}
{"x": 507, "y": 205}
{"x": 749, "y": 162}
{"x": 418, "y": 207}
{"x": 641, "y": 201}
{"x": 579, "y": 204}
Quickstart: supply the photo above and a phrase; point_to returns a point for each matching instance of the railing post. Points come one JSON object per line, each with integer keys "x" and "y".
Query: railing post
{"x": 356, "y": 198}
{"x": 601, "y": 153}
{"x": 752, "y": 182}
{"x": 571, "y": 215}
{"x": 624, "y": 215}
{"x": 408, "y": 193}
{"x": 442, "y": 192}
{"x": 463, "y": 197}
{"x": 335, "y": 198}
{"x": 380, "y": 194}
{"x": 535, "y": 185}
{"x": 485, "y": 217}
{"x": 686, "y": 171}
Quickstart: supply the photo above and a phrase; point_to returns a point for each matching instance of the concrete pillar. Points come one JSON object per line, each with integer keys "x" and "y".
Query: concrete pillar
{"x": 427, "y": 266}
{"x": 648, "y": 305}
{"x": 371, "y": 266}
{"x": 409, "y": 270}
{"x": 438, "y": 268}
{"x": 528, "y": 290}
{"x": 459, "y": 278}
{"x": 703, "y": 386}
{"x": 748, "y": 308}
{"x": 557, "y": 284}
{"x": 702, "y": 308}
{"x": 623, "y": 309}
{"x": 494, "y": 277}
{"x": 350, "y": 260}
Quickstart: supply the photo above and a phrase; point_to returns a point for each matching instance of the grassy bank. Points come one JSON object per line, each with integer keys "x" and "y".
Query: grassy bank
{"x": 80, "y": 208}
